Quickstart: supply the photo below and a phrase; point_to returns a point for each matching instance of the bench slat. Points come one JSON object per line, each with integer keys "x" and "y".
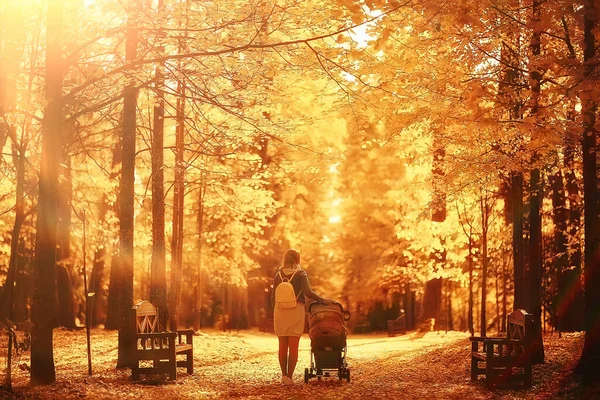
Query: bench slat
{"x": 181, "y": 348}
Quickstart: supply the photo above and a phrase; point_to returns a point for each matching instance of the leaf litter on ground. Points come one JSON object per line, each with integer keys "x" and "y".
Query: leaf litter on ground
{"x": 243, "y": 365}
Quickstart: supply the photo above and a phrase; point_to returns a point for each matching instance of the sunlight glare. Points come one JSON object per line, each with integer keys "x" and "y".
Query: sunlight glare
{"x": 335, "y": 219}
{"x": 359, "y": 34}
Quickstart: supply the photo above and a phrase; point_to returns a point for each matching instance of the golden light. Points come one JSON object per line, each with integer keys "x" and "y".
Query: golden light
{"x": 335, "y": 219}
{"x": 360, "y": 34}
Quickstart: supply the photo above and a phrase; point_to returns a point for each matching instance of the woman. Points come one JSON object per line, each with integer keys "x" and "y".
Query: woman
{"x": 289, "y": 322}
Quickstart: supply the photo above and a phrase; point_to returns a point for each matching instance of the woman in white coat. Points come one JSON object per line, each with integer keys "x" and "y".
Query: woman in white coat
{"x": 289, "y": 322}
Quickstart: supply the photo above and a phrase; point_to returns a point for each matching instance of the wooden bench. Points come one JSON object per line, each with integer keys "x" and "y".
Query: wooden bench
{"x": 160, "y": 349}
{"x": 507, "y": 361}
{"x": 396, "y": 326}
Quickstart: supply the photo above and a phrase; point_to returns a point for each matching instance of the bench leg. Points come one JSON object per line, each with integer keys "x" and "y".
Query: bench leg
{"x": 190, "y": 361}
{"x": 173, "y": 370}
{"x": 172, "y": 361}
{"x": 135, "y": 371}
{"x": 474, "y": 368}
{"x": 490, "y": 376}
{"x": 527, "y": 378}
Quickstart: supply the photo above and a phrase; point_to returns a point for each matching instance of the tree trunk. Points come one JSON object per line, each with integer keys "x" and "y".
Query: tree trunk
{"x": 199, "y": 289}
{"x": 65, "y": 297}
{"x": 432, "y": 300}
{"x": 99, "y": 302}
{"x": 64, "y": 281}
{"x": 158, "y": 275}
{"x": 178, "y": 203}
{"x": 409, "y": 307}
{"x": 534, "y": 277}
{"x": 112, "y": 306}
{"x": 535, "y": 197}
{"x": 589, "y": 364}
{"x": 504, "y": 293}
{"x": 572, "y": 280}
{"x": 572, "y": 186}
{"x": 449, "y": 324}
{"x": 518, "y": 242}
{"x": 125, "y": 271}
{"x": 561, "y": 260}
{"x": 11, "y": 22}
{"x": 485, "y": 214}
{"x": 7, "y": 297}
{"x": 509, "y": 93}
{"x": 470, "y": 263}
{"x": 43, "y": 307}
{"x": 24, "y": 278}
{"x": 497, "y": 283}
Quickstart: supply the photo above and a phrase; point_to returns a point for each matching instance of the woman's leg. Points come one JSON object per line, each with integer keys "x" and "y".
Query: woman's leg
{"x": 293, "y": 357}
{"x": 283, "y": 354}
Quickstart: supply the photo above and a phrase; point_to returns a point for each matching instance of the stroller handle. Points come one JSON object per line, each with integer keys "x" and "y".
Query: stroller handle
{"x": 345, "y": 313}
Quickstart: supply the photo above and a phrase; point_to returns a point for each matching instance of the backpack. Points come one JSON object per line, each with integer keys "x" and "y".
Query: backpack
{"x": 285, "y": 295}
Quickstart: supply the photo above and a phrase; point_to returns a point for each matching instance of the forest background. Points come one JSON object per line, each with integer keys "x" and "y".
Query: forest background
{"x": 426, "y": 158}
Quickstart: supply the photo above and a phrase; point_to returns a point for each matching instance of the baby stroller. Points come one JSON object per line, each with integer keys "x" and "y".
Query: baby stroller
{"x": 327, "y": 332}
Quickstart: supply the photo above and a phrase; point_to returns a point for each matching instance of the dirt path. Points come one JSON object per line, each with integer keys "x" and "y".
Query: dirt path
{"x": 371, "y": 361}
{"x": 244, "y": 365}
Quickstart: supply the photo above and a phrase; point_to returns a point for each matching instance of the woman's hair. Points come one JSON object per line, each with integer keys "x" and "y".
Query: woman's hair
{"x": 291, "y": 259}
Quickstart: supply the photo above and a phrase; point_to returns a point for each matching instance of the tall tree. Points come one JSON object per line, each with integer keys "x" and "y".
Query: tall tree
{"x": 560, "y": 243}
{"x": 516, "y": 191}
{"x": 125, "y": 275}
{"x": 536, "y": 193}
{"x": 571, "y": 305}
{"x": 178, "y": 211}
{"x": 485, "y": 209}
{"x": 571, "y": 279}
{"x": 66, "y": 300}
{"x": 158, "y": 279}
{"x": 467, "y": 228}
{"x": 99, "y": 307}
{"x": 590, "y": 357}
{"x": 43, "y": 307}
{"x": 432, "y": 298}
{"x": 11, "y": 20}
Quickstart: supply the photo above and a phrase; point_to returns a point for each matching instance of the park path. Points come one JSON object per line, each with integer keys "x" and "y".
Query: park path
{"x": 381, "y": 367}
{"x": 244, "y": 365}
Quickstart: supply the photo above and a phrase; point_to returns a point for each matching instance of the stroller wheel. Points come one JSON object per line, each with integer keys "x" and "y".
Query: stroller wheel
{"x": 341, "y": 373}
{"x": 306, "y": 375}
{"x": 348, "y": 374}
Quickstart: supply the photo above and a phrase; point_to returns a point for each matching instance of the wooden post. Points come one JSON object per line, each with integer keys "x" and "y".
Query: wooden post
{"x": 9, "y": 362}
{"x": 87, "y": 305}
